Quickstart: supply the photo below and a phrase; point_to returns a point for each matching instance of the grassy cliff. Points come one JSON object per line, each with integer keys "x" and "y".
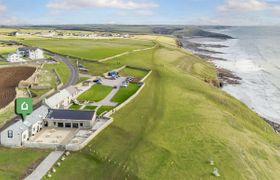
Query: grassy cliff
{"x": 176, "y": 124}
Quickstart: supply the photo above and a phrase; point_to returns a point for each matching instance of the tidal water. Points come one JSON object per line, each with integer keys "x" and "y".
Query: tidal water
{"x": 254, "y": 55}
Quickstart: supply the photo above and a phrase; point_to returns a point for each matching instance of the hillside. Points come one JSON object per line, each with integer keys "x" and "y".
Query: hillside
{"x": 175, "y": 126}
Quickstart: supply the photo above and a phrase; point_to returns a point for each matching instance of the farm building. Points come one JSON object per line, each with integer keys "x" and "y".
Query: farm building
{"x": 19, "y": 132}
{"x": 62, "y": 99}
{"x": 61, "y": 118}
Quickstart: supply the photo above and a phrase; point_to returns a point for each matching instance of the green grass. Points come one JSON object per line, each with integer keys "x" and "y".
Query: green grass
{"x": 90, "y": 49}
{"x": 40, "y": 92}
{"x": 96, "y": 93}
{"x": 102, "y": 109}
{"x": 62, "y": 70}
{"x": 14, "y": 162}
{"x": 7, "y": 49}
{"x": 90, "y": 108}
{"x": 81, "y": 79}
{"x": 176, "y": 124}
{"x": 124, "y": 93}
{"x": 75, "y": 107}
{"x": 134, "y": 72}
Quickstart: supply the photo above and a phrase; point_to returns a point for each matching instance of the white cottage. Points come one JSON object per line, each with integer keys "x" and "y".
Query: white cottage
{"x": 19, "y": 132}
{"x": 32, "y": 53}
{"x": 62, "y": 99}
{"x": 15, "y": 134}
{"x": 14, "y": 58}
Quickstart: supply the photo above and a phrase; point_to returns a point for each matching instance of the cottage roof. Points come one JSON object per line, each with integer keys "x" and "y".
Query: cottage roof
{"x": 37, "y": 115}
{"x": 57, "y": 98}
{"x": 72, "y": 90}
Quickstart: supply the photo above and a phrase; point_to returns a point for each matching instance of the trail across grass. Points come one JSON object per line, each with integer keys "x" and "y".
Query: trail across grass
{"x": 89, "y": 48}
{"x": 96, "y": 93}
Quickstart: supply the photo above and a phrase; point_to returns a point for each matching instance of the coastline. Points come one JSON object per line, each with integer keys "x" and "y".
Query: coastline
{"x": 226, "y": 76}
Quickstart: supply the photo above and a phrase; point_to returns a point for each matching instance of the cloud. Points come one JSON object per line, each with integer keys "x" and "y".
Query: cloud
{"x": 118, "y": 4}
{"x": 243, "y": 5}
{"x": 248, "y": 6}
{"x": 2, "y": 8}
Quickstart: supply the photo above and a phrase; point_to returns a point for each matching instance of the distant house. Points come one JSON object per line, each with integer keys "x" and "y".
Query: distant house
{"x": 32, "y": 53}
{"x": 14, "y": 58}
{"x": 19, "y": 132}
{"x": 61, "y": 118}
{"x": 62, "y": 99}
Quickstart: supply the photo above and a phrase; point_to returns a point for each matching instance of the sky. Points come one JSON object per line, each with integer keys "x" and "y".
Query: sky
{"x": 195, "y": 12}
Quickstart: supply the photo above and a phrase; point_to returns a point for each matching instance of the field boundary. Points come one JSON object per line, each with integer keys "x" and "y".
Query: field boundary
{"x": 108, "y": 114}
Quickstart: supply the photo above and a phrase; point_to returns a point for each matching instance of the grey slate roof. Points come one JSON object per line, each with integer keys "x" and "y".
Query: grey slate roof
{"x": 63, "y": 114}
{"x": 37, "y": 115}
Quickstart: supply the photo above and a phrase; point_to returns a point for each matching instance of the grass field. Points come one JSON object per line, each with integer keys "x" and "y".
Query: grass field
{"x": 14, "y": 162}
{"x": 133, "y": 72}
{"x": 61, "y": 69}
{"x": 96, "y": 93}
{"x": 102, "y": 109}
{"x": 90, "y": 49}
{"x": 124, "y": 93}
{"x": 75, "y": 107}
{"x": 7, "y": 49}
{"x": 176, "y": 124}
{"x": 90, "y": 108}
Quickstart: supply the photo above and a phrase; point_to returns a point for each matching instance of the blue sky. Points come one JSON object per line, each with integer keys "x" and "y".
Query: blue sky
{"x": 220, "y": 12}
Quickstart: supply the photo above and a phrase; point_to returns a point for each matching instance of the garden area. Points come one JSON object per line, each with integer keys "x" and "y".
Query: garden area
{"x": 96, "y": 93}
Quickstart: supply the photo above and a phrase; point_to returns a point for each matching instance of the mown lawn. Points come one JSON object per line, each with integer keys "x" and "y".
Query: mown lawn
{"x": 102, "y": 109}
{"x": 75, "y": 107}
{"x": 134, "y": 72}
{"x": 15, "y": 162}
{"x": 124, "y": 93}
{"x": 88, "y": 48}
{"x": 90, "y": 108}
{"x": 96, "y": 93}
{"x": 176, "y": 124}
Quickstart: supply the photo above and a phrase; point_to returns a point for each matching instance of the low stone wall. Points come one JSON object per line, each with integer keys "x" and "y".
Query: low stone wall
{"x": 108, "y": 114}
{"x": 144, "y": 78}
{"x": 76, "y": 147}
{"x": 40, "y": 145}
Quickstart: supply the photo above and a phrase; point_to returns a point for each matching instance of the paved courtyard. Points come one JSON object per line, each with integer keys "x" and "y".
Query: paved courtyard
{"x": 54, "y": 136}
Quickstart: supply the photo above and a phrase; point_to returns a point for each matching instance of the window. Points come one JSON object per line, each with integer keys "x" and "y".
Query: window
{"x": 54, "y": 123}
{"x": 68, "y": 125}
{"x": 10, "y": 134}
{"x": 75, "y": 125}
{"x": 60, "y": 125}
{"x": 81, "y": 124}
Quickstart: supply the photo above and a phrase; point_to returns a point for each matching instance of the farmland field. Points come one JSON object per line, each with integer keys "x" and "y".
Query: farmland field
{"x": 9, "y": 79}
{"x": 176, "y": 124}
{"x": 90, "y": 49}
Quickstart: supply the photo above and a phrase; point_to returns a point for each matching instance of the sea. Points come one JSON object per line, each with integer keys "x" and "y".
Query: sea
{"x": 254, "y": 56}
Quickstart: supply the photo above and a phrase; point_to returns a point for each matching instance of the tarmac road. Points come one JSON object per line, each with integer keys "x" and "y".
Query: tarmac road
{"x": 74, "y": 71}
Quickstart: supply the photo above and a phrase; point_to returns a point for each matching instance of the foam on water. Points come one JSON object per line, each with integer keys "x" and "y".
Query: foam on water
{"x": 255, "y": 57}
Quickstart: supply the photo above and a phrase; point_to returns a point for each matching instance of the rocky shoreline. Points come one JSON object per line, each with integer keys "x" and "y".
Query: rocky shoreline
{"x": 225, "y": 76}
